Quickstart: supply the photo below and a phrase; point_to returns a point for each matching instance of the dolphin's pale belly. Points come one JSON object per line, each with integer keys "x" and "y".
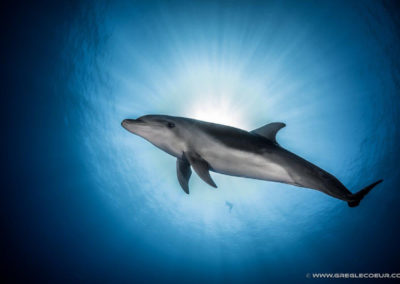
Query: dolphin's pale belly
{"x": 246, "y": 164}
{"x": 276, "y": 165}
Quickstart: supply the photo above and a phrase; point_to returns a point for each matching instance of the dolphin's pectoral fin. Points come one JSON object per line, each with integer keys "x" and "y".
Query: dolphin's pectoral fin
{"x": 184, "y": 172}
{"x": 201, "y": 167}
{"x": 269, "y": 130}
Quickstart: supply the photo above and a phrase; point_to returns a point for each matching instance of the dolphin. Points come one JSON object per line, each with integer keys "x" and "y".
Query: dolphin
{"x": 230, "y": 205}
{"x": 256, "y": 154}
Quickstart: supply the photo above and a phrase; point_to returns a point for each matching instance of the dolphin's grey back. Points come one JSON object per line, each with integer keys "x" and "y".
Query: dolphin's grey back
{"x": 233, "y": 137}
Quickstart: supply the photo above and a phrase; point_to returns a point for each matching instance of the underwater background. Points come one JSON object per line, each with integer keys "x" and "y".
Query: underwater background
{"x": 85, "y": 201}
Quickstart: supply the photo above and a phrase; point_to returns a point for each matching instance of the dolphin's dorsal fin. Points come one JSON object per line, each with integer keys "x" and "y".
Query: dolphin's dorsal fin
{"x": 269, "y": 130}
{"x": 184, "y": 172}
{"x": 201, "y": 167}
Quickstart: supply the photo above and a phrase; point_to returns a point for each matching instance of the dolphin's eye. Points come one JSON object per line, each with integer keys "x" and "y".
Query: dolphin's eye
{"x": 170, "y": 125}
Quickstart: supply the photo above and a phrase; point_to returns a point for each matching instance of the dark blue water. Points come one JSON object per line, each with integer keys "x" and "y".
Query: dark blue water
{"x": 85, "y": 201}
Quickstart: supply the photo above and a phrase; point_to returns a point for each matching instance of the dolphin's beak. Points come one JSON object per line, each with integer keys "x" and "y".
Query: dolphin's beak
{"x": 126, "y": 122}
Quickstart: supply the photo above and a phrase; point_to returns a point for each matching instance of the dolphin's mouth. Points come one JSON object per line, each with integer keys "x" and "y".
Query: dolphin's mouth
{"x": 126, "y": 122}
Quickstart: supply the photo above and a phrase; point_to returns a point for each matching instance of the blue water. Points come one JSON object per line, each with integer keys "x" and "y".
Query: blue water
{"x": 85, "y": 201}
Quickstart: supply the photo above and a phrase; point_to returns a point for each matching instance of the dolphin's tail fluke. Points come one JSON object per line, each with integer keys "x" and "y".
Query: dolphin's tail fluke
{"x": 357, "y": 197}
